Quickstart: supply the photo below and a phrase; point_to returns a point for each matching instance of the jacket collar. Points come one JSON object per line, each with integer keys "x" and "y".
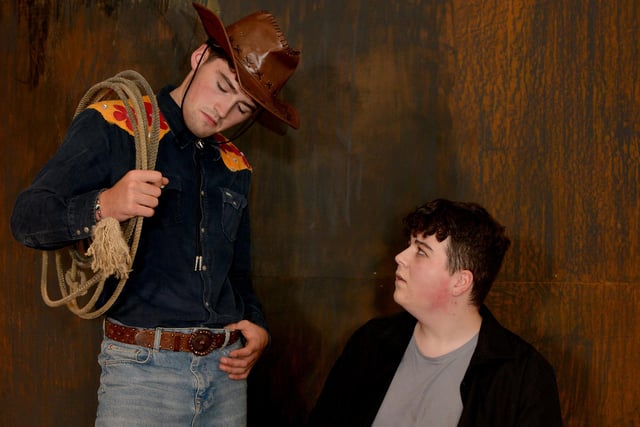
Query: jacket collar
{"x": 493, "y": 340}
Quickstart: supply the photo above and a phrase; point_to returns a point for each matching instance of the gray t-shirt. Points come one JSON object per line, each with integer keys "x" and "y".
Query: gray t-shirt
{"x": 425, "y": 391}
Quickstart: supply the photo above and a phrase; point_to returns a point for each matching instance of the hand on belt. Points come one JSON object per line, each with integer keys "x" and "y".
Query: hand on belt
{"x": 200, "y": 342}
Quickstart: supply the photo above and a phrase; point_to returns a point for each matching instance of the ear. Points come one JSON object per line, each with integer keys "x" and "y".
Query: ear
{"x": 463, "y": 282}
{"x": 199, "y": 55}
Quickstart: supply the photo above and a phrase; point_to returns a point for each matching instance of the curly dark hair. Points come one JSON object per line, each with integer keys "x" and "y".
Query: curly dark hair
{"x": 478, "y": 242}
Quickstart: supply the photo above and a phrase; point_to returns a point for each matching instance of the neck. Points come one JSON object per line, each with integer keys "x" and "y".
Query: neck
{"x": 179, "y": 92}
{"x": 435, "y": 337}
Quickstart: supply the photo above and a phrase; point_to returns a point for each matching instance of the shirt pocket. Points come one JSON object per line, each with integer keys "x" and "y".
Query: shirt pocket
{"x": 233, "y": 205}
{"x": 169, "y": 209}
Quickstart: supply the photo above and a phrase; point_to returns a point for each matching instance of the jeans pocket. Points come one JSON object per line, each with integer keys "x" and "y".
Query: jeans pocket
{"x": 114, "y": 353}
{"x": 233, "y": 205}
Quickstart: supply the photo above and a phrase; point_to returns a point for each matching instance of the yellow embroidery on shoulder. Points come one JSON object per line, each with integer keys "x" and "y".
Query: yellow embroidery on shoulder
{"x": 114, "y": 111}
{"x": 233, "y": 158}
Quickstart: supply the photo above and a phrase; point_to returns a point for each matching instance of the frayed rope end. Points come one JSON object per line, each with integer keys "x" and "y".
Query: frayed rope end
{"x": 111, "y": 254}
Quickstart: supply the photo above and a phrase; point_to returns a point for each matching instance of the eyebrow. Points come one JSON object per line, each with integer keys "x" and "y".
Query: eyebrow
{"x": 422, "y": 244}
{"x": 228, "y": 81}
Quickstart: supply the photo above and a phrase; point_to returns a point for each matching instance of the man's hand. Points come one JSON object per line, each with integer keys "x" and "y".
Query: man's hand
{"x": 136, "y": 194}
{"x": 240, "y": 361}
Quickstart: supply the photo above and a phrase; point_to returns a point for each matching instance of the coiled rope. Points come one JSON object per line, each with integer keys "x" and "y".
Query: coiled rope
{"x": 114, "y": 245}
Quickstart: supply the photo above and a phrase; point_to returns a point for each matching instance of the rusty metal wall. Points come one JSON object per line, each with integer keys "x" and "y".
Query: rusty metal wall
{"x": 528, "y": 107}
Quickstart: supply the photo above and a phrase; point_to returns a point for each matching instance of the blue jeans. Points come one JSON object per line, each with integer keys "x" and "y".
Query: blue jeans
{"x": 148, "y": 387}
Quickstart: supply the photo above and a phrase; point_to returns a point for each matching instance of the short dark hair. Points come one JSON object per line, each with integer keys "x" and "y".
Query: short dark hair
{"x": 216, "y": 51}
{"x": 478, "y": 242}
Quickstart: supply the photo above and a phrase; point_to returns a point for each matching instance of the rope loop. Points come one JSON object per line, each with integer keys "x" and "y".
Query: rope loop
{"x": 78, "y": 270}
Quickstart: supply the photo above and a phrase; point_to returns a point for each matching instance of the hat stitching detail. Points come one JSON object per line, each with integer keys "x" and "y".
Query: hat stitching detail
{"x": 276, "y": 26}
{"x": 281, "y": 37}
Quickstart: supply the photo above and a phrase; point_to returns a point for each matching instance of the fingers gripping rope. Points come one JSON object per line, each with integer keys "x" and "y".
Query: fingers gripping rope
{"x": 114, "y": 245}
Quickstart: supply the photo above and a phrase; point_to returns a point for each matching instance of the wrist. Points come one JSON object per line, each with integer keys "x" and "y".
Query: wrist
{"x": 97, "y": 211}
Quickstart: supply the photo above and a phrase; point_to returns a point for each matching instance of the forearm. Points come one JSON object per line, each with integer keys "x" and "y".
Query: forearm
{"x": 42, "y": 219}
{"x": 58, "y": 208}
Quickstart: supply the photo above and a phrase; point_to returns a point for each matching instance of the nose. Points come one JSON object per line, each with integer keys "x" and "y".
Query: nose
{"x": 400, "y": 257}
{"x": 224, "y": 106}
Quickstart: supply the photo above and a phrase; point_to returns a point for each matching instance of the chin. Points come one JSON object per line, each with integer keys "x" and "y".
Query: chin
{"x": 396, "y": 297}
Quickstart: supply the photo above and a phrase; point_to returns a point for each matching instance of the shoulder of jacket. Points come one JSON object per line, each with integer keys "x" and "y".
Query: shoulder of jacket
{"x": 115, "y": 112}
{"x": 233, "y": 158}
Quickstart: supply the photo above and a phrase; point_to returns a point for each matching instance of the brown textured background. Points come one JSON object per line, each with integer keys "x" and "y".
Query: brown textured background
{"x": 528, "y": 107}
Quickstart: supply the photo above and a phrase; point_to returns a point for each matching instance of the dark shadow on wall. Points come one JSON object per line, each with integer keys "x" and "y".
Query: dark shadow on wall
{"x": 281, "y": 380}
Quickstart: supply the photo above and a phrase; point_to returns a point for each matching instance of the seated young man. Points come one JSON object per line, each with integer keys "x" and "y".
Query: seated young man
{"x": 445, "y": 360}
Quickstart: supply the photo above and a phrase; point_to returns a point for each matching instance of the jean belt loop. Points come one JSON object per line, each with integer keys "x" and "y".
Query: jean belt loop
{"x": 227, "y": 337}
{"x": 157, "y": 338}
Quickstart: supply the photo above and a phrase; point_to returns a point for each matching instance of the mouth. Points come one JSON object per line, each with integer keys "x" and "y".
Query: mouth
{"x": 399, "y": 279}
{"x": 211, "y": 120}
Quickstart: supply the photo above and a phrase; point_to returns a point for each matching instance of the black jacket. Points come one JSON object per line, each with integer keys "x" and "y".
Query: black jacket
{"x": 507, "y": 384}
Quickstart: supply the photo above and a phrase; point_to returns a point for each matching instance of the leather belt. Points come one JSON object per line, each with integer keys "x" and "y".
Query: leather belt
{"x": 200, "y": 342}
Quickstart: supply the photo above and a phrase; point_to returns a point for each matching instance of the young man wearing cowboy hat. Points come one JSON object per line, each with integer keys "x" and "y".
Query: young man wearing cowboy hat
{"x": 184, "y": 334}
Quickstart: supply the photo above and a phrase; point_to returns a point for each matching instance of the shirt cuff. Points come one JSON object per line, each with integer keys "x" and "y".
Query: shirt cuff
{"x": 81, "y": 214}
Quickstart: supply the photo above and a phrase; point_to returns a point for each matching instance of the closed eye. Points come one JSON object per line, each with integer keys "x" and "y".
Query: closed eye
{"x": 245, "y": 108}
{"x": 225, "y": 84}
{"x": 422, "y": 248}
{"x": 222, "y": 88}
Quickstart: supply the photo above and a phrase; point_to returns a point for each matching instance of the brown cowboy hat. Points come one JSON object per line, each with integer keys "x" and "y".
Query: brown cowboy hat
{"x": 261, "y": 57}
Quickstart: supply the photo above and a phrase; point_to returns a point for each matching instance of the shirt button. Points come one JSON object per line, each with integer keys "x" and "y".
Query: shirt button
{"x": 204, "y": 268}
{"x": 202, "y": 230}
{"x": 86, "y": 229}
{"x": 202, "y": 193}
{"x": 78, "y": 232}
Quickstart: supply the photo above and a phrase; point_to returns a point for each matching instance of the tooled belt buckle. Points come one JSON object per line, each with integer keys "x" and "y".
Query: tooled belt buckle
{"x": 201, "y": 342}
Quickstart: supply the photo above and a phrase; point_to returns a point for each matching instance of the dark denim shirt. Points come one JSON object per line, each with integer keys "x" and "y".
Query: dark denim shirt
{"x": 202, "y": 210}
